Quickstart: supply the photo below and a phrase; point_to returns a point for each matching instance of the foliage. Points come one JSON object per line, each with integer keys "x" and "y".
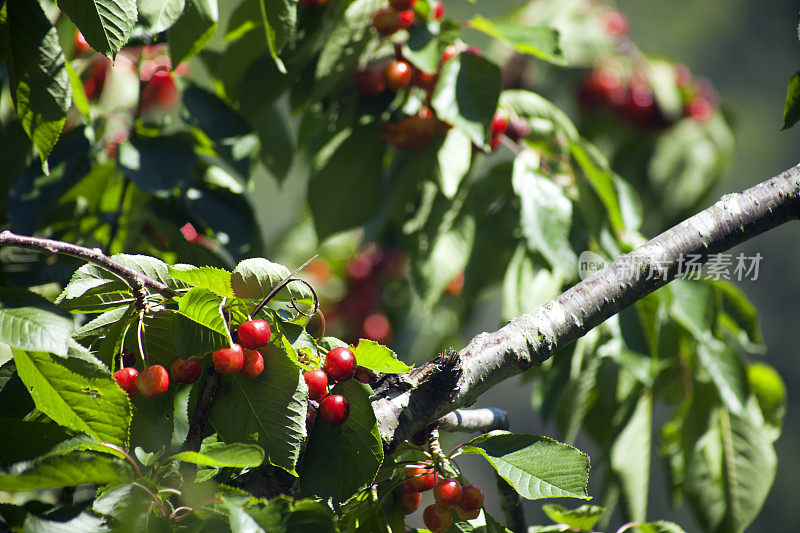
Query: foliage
{"x": 187, "y": 139}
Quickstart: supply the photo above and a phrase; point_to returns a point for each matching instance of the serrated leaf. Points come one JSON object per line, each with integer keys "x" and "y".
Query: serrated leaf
{"x": 76, "y": 394}
{"x": 630, "y": 458}
{"x": 545, "y": 216}
{"x": 341, "y": 460}
{"x": 106, "y": 24}
{"x": 193, "y": 30}
{"x": 538, "y": 41}
{"x": 466, "y": 95}
{"x": 273, "y": 406}
{"x": 583, "y": 518}
{"x": 236, "y": 455}
{"x": 537, "y": 467}
{"x": 791, "y": 111}
{"x": 203, "y": 307}
{"x": 379, "y": 358}
{"x": 346, "y": 190}
{"x": 158, "y": 15}
{"x": 30, "y": 322}
{"x": 254, "y": 278}
{"x": 213, "y": 279}
{"x": 40, "y": 86}
{"x": 62, "y": 471}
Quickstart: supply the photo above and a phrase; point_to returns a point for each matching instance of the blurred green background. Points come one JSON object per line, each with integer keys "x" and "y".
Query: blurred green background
{"x": 749, "y": 49}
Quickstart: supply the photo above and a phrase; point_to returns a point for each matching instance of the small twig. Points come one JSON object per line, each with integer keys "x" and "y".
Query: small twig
{"x": 156, "y": 499}
{"x": 285, "y": 281}
{"x": 135, "y": 280}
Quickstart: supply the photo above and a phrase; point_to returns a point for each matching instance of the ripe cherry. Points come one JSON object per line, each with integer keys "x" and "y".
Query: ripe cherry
{"x": 398, "y": 75}
{"x": 153, "y": 381}
{"x": 437, "y": 518}
{"x": 402, "y": 5}
{"x": 421, "y": 479}
{"x": 406, "y": 18}
{"x": 186, "y": 371}
{"x": 254, "y": 334}
{"x": 334, "y": 409}
{"x": 499, "y": 123}
{"x": 79, "y": 44}
{"x": 370, "y": 82}
{"x": 340, "y": 364}
{"x": 253, "y": 364}
{"x": 471, "y": 501}
{"x": 615, "y": 23}
{"x": 94, "y": 84}
{"x": 423, "y": 80}
{"x": 386, "y": 21}
{"x": 228, "y": 360}
{"x": 449, "y": 53}
{"x": 410, "y": 498}
{"x": 126, "y": 379}
{"x": 700, "y": 109}
{"x": 317, "y": 382}
{"x": 376, "y": 327}
{"x": 448, "y": 492}
{"x": 438, "y": 10}
{"x": 160, "y": 91}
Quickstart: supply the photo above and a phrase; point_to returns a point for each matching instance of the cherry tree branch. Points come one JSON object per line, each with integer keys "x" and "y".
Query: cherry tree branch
{"x": 474, "y": 420}
{"x": 136, "y": 280}
{"x": 456, "y": 380}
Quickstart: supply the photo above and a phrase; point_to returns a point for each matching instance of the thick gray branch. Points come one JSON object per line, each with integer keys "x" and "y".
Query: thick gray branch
{"x": 136, "y": 280}
{"x": 474, "y": 420}
{"x": 455, "y": 380}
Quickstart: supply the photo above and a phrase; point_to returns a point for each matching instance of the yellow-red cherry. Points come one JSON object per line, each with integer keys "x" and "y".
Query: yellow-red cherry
{"x": 334, "y": 409}
{"x": 228, "y": 360}
{"x": 471, "y": 499}
{"x": 186, "y": 371}
{"x": 448, "y": 492}
{"x": 126, "y": 379}
{"x": 410, "y": 498}
{"x": 317, "y": 382}
{"x": 254, "y": 334}
{"x": 253, "y": 364}
{"x": 398, "y": 75}
{"x": 420, "y": 478}
{"x": 153, "y": 381}
{"x": 437, "y": 518}
{"x": 340, "y": 364}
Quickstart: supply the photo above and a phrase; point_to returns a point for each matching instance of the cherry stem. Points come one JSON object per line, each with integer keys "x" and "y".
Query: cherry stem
{"x": 285, "y": 281}
{"x": 139, "y": 331}
{"x": 156, "y": 499}
{"x": 127, "y": 456}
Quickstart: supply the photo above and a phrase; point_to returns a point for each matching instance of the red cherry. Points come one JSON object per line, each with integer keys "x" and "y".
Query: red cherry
{"x": 402, "y": 5}
{"x": 376, "y": 327}
{"x": 126, "y": 379}
{"x": 448, "y": 492}
{"x": 79, "y": 44}
{"x": 334, "y": 409}
{"x": 602, "y": 86}
{"x": 340, "y": 364}
{"x": 186, "y": 371}
{"x": 700, "y": 109}
{"x": 370, "y": 82}
{"x": 438, "y": 10}
{"x": 499, "y": 123}
{"x": 253, "y": 364}
{"x": 467, "y": 515}
{"x": 421, "y": 128}
{"x": 228, "y": 360}
{"x": 160, "y": 91}
{"x": 312, "y": 3}
{"x": 398, "y": 75}
{"x": 94, "y": 84}
{"x": 386, "y": 21}
{"x": 471, "y": 499}
{"x": 153, "y": 381}
{"x": 494, "y": 142}
{"x": 254, "y": 334}
{"x": 473, "y": 50}
{"x": 317, "y": 382}
{"x": 406, "y": 18}
{"x": 437, "y": 518}
{"x": 615, "y": 23}
{"x": 423, "y": 80}
{"x": 449, "y": 53}
{"x": 421, "y": 479}
{"x": 411, "y": 499}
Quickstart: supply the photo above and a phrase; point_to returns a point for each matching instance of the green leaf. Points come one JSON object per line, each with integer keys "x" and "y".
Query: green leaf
{"x": 725, "y": 366}
{"x": 278, "y": 18}
{"x": 538, "y": 41}
{"x": 528, "y": 284}
{"x": 770, "y": 391}
{"x": 273, "y": 406}
{"x": 537, "y": 467}
{"x": 285, "y": 515}
{"x": 345, "y": 191}
{"x": 76, "y": 394}
{"x": 240, "y": 521}
{"x": 158, "y": 15}
{"x": 341, "y": 460}
{"x": 542, "y": 115}
{"x": 205, "y": 308}
{"x": 595, "y": 169}
{"x": 193, "y": 30}
{"x": 106, "y": 24}
{"x": 454, "y": 160}
{"x": 83, "y": 523}
{"x": 14, "y": 396}
{"x": 545, "y": 215}
{"x": 30, "y": 322}
{"x": 583, "y": 518}
{"x": 791, "y": 112}
{"x": 236, "y": 455}
{"x": 157, "y": 164}
{"x": 63, "y": 471}
{"x": 40, "y": 86}
{"x": 22, "y": 439}
{"x": 213, "y": 279}
{"x": 422, "y": 49}
{"x": 379, "y": 358}
{"x": 661, "y": 526}
{"x": 467, "y": 94}
{"x": 630, "y": 458}
{"x": 254, "y": 278}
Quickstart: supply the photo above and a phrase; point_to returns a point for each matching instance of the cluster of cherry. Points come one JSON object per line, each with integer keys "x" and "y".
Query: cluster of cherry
{"x": 449, "y": 494}
{"x": 240, "y": 357}
{"x": 339, "y": 365}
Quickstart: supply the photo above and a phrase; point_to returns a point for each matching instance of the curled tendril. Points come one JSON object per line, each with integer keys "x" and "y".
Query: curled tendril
{"x": 284, "y": 282}
{"x": 313, "y": 294}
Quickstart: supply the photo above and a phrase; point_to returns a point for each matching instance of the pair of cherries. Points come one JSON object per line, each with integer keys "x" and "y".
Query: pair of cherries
{"x": 339, "y": 365}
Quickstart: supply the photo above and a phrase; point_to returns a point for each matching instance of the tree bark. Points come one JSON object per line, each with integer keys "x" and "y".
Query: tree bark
{"x": 456, "y": 380}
